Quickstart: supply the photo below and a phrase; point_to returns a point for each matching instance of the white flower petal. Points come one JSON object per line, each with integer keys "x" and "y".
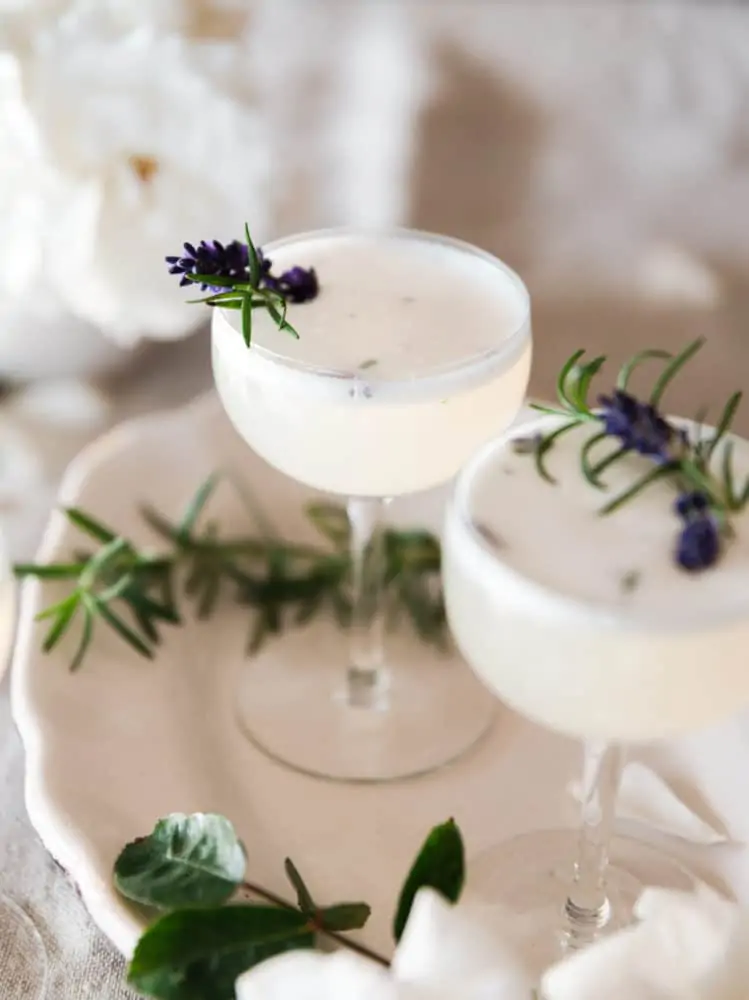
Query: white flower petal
{"x": 444, "y": 942}
{"x": 122, "y": 145}
{"x": 684, "y": 947}
{"x": 62, "y": 403}
{"x": 306, "y": 975}
{"x": 39, "y": 338}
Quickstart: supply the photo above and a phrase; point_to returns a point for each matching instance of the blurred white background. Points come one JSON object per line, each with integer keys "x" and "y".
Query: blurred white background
{"x": 601, "y": 148}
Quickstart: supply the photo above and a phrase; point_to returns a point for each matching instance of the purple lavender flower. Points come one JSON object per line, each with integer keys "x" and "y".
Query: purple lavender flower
{"x": 299, "y": 284}
{"x": 638, "y": 426}
{"x": 698, "y": 545}
{"x": 691, "y": 505}
{"x": 228, "y": 261}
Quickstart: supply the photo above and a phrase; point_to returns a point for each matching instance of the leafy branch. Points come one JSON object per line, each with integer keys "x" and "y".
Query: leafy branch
{"x": 282, "y": 583}
{"x": 190, "y": 866}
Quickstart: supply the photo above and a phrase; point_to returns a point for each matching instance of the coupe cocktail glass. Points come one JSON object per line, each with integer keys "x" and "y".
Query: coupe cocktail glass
{"x": 416, "y": 351}
{"x": 586, "y": 625}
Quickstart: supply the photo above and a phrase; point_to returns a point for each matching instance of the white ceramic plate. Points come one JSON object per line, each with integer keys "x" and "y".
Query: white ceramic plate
{"x": 124, "y": 741}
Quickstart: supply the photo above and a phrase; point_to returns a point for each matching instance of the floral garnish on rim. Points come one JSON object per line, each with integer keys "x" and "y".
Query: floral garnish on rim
{"x": 239, "y": 276}
{"x": 706, "y": 497}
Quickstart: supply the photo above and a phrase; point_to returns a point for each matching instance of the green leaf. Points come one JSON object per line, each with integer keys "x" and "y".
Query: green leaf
{"x": 89, "y": 525}
{"x": 628, "y": 369}
{"x": 344, "y": 917}
{"x": 188, "y": 860}
{"x": 235, "y": 304}
{"x": 303, "y": 895}
{"x": 122, "y": 628}
{"x": 53, "y": 571}
{"x": 65, "y": 616}
{"x": 108, "y": 558}
{"x": 258, "y": 634}
{"x": 567, "y": 369}
{"x": 211, "y": 591}
{"x": 54, "y": 609}
{"x": 145, "y": 624}
{"x": 584, "y": 375}
{"x": 154, "y": 609}
{"x": 727, "y": 469}
{"x": 252, "y": 258}
{"x": 332, "y": 521}
{"x": 198, "y": 954}
{"x": 197, "y": 505}
{"x": 606, "y": 462}
{"x": 552, "y": 410}
{"x": 743, "y": 498}
{"x": 309, "y": 608}
{"x": 585, "y": 465}
{"x": 700, "y": 480}
{"x": 724, "y": 424}
{"x": 278, "y": 318}
{"x": 225, "y": 300}
{"x": 291, "y": 330}
{"x": 440, "y": 865}
{"x": 545, "y": 445}
{"x": 117, "y": 589}
{"x": 87, "y": 635}
{"x": 673, "y": 368}
{"x": 657, "y": 473}
{"x": 426, "y": 613}
{"x": 247, "y": 319}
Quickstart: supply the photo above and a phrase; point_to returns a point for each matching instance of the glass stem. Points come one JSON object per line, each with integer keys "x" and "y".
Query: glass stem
{"x": 366, "y": 676}
{"x": 587, "y": 908}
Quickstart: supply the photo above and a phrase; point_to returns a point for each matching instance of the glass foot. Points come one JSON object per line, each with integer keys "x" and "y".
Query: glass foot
{"x": 23, "y": 959}
{"x": 292, "y": 705}
{"x": 532, "y": 873}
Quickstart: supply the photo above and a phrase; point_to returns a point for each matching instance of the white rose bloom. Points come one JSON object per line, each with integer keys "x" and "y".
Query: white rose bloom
{"x": 446, "y": 952}
{"x": 685, "y": 947}
{"x": 119, "y": 147}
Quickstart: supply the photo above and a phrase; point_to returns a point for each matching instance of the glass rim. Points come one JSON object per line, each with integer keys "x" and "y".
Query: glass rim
{"x": 506, "y": 347}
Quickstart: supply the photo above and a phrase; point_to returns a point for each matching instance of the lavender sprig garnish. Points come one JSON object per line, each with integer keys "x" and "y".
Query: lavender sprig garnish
{"x": 212, "y": 258}
{"x": 239, "y": 276}
{"x": 707, "y": 497}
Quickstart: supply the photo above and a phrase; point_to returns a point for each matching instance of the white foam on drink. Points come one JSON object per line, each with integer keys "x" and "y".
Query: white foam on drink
{"x": 576, "y": 562}
{"x": 587, "y": 624}
{"x": 393, "y": 306}
{"x": 415, "y": 353}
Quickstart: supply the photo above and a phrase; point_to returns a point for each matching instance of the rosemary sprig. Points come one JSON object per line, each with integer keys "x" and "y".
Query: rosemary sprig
{"x": 282, "y": 583}
{"x": 708, "y": 494}
{"x": 116, "y": 578}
